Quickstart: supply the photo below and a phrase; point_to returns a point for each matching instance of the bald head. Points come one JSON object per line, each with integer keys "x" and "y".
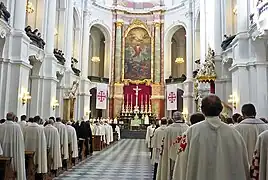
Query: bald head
{"x": 10, "y": 116}
{"x": 211, "y": 105}
{"x": 177, "y": 116}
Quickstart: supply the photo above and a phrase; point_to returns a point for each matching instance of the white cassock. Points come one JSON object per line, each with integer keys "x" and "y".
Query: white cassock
{"x": 35, "y": 140}
{"x": 146, "y": 120}
{"x": 97, "y": 130}
{"x": 259, "y": 165}
{"x": 12, "y": 142}
{"x": 249, "y": 130}
{"x": 149, "y": 134}
{"x": 107, "y": 133}
{"x": 111, "y": 132}
{"x": 117, "y": 129}
{"x": 169, "y": 151}
{"x": 63, "y": 138}
{"x": 53, "y": 143}
{"x": 72, "y": 140}
{"x": 22, "y": 125}
{"x": 102, "y": 132}
{"x": 1, "y": 150}
{"x": 93, "y": 126}
{"x": 211, "y": 150}
{"x": 157, "y": 142}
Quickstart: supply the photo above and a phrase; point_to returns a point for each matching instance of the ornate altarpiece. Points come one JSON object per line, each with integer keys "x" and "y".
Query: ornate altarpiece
{"x": 138, "y": 59}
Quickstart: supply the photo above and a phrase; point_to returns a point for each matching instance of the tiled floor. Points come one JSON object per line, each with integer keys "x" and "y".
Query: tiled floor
{"x": 126, "y": 160}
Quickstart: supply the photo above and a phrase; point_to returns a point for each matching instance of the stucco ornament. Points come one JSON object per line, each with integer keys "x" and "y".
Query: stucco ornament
{"x": 3, "y": 33}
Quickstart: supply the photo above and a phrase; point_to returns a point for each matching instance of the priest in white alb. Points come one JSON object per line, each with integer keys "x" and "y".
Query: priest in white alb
{"x": 250, "y": 128}
{"x": 22, "y": 122}
{"x": 149, "y": 134}
{"x": 53, "y": 144}
{"x": 169, "y": 151}
{"x": 12, "y": 142}
{"x": 107, "y": 132}
{"x": 72, "y": 139}
{"x": 157, "y": 138}
{"x": 259, "y": 164}
{"x": 211, "y": 149}
{"x": 63, "y": 137}
{"x": 35, "y": 140}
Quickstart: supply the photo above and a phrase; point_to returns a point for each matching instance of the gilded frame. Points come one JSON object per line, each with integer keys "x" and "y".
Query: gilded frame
{"x": 137, "y": 24}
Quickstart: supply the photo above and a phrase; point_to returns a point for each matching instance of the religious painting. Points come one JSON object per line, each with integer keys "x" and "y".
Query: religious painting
{"x": 137, "y": 60}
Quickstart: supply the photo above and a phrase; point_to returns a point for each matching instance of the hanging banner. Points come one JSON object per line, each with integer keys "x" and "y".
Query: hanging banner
{"x": 171, "y": 97}
{"x": 101, "y": 96}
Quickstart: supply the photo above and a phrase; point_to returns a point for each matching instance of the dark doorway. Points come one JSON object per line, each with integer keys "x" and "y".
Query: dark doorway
{"x": 95, "y": 113}
{"x": 179, "y": 101}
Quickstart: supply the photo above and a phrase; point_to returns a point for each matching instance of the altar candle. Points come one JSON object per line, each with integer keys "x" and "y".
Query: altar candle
{"x": 127, "y": 99}
{"x": 141, "y": 99}
{"x": 131, "y": 100}
{"x": 146, "y": 99}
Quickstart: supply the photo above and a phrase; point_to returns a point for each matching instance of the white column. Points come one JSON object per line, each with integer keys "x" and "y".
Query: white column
{"x": 242, "y": 15}
{"x": 217, "y": 27}
{"x": 85, "y": 50}
{"x": 189, "y": 50}
{"x": 203, "y": 40}
{"x": 19, "y": 15}
{"x": 51, "y": 9}
{"x": 69, "y": 36}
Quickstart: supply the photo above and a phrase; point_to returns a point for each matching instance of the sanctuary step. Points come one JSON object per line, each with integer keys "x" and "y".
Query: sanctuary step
{"x": 131, "y": 134}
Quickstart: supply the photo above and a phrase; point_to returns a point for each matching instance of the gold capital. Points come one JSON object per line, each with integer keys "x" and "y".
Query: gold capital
{"x": 157, "y": 24}
{"x": 119, "y": 23}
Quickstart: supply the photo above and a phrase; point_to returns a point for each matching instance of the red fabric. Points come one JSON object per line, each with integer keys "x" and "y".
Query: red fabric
{"x": 144, "y": 94}
{"x": 212, "y": 87}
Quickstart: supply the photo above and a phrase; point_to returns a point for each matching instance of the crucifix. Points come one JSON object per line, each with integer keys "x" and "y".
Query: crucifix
{"x": 137, "y": 89}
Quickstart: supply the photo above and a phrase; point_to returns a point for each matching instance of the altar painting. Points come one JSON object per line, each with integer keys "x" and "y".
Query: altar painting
{"x": 137, "y": 59}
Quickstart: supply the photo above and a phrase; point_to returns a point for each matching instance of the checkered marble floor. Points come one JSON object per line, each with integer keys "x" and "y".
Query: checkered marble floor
{"x": 127, "y": 160}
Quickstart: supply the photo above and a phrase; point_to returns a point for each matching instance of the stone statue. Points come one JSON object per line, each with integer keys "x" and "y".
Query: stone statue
{"x": 227, "y": 41}
{"x": 208, "y": 68}
{"x": 35, "y": 37}
{"x": 59, "y": 56}
{"x": 74, "y": 89}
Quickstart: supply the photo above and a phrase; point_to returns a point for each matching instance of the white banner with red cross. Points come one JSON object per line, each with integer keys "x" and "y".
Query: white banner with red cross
{"x": 171, "y": 97}
{"x": 101, "y": 96}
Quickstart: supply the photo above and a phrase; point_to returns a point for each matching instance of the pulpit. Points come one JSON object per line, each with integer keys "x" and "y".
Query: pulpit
{"x": 6, "y": 171}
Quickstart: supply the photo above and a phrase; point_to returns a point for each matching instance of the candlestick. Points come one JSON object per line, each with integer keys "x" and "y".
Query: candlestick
{"x": 127, "y": 99}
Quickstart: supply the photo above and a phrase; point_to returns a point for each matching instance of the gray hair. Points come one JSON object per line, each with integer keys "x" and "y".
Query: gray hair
{"x": 10, "y": 116}
{"x": 177, "y": 116}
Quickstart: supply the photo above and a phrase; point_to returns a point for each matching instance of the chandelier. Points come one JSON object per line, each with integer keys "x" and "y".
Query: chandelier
{"x": 179, "y": 60}
{"x": 29, "y": 7}
{"x": 95, "y": 59}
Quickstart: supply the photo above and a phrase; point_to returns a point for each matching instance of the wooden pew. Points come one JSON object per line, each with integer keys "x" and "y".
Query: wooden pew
{"x": 6, "y": 171}
{"x": 29, "y": 165}
{"x": 82, "y": 149}
{"x": 97, "y": 143}
{"x": 70, "y": 160}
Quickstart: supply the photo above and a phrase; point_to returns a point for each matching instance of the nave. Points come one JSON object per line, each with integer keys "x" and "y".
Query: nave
{"x": 127, "y": 159}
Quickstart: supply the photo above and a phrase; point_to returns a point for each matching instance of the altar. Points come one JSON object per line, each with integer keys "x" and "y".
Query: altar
{"x": 136, "y": 112}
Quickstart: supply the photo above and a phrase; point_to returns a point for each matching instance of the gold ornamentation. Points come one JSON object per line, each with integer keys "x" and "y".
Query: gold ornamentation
{"x": 207, "y": 72}
{"x": 119, "y": 23}
{"x": 135, "y": 24}
{"x": 137, "y": 82}
{"x": 157, "y": 24}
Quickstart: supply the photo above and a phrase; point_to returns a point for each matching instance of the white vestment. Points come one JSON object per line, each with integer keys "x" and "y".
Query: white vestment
{"x": 259, "y": 165}
{"x": 169, "y": 153}
{"x": 72, "y": 140}
{"x": 107, "y": 133}
{"x": 249, "y": 130}
{"x": 63, "y": 138}
{"x": 53, "y": 144}
{"x": 22, "y": 125}
{"x": 1, "y": 150}
{"x": 117, "y": 129}
{"x": 157, "y": 142}
{"x": 149, "y": 134}
{"x": 35, "y": 140}
{"x": 111, "y": 132}
{"x": 12, "y": 142}
{"x": 211, "y": 150}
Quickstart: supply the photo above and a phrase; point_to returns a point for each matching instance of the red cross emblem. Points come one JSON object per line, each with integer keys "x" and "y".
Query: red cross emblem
{"x": 172, "y": 97}
{"x": 101, "y": 96}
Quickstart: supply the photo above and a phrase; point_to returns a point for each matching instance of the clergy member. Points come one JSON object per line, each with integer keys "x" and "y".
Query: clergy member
{"x": 149, "y": 134}
{"x": 157, "y": 138}
{"x": 35, "y": 140}
{"x": 259, "y": 165}
{"x": 63, "y": 137}
{"x": 53, "y": 144}
{"x": 11, "y": 140}
{"x": 72, "y": 139}
{"x": 250, "y": 128}
{"x": 211, "y": 149}
{"x": 196, "y": 118}
{"x": 22, "y": 122}
{"x": 170, "y": 146}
